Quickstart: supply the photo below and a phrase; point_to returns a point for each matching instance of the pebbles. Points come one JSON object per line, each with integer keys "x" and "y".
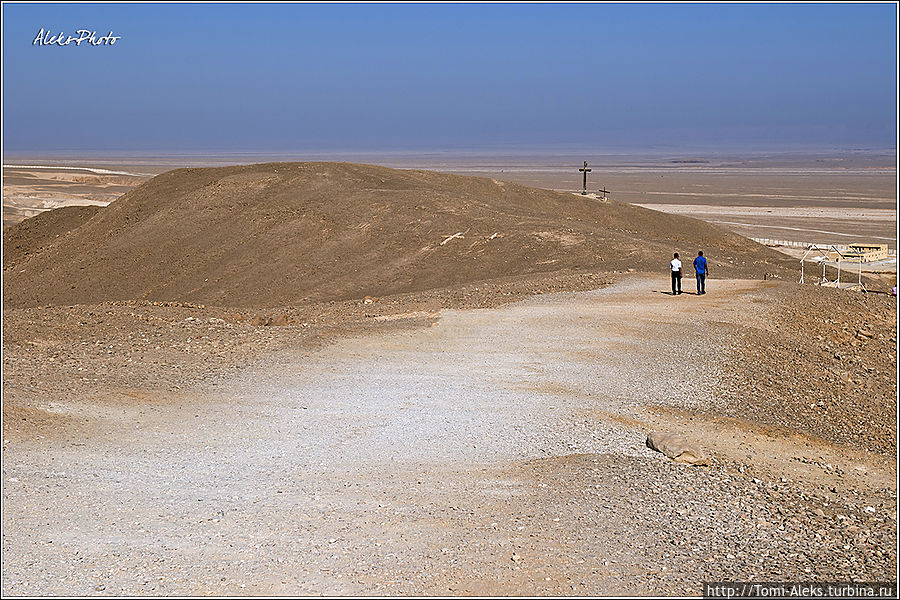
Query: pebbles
{"x": 357, "y": 487}
{"x": 821, "y": 362}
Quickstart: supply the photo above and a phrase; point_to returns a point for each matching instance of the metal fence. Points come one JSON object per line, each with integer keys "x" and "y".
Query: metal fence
{"x": 795, "y": 244}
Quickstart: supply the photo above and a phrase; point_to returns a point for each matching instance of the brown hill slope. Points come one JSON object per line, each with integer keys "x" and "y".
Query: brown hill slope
{"x": 283, "y": 233}
{"x": 32, "y": 235}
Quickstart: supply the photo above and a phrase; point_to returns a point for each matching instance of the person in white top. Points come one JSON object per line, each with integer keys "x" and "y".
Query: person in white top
{"x": 676, "y": 275}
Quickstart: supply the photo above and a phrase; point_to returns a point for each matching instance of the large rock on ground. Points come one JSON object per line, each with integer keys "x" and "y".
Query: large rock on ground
{"x": 676, "y": 448}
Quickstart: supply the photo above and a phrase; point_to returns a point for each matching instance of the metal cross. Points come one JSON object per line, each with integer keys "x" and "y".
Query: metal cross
{"x": 584, "y": 170}
{"x": 605, "y": 192}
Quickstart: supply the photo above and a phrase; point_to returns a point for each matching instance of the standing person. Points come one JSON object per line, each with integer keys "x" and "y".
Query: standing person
{"x": 676, "y": 275}
{"x": 701, "y": 270}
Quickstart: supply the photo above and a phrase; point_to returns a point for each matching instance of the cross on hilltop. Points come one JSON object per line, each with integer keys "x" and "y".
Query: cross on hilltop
{"x": 584, "y": 170}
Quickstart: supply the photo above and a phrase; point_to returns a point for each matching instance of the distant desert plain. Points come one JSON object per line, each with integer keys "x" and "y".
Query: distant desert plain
{"x": 827, "y": 198}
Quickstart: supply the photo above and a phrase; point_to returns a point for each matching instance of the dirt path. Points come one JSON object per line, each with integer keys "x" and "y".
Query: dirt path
{"x": 498, "y": 451}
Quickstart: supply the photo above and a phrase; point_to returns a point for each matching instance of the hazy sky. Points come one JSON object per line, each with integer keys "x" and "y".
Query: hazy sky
{"x": 368, "y": 77}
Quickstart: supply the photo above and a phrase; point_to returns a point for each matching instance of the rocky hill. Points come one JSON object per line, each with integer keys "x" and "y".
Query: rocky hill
{"x": 287, "y": 233}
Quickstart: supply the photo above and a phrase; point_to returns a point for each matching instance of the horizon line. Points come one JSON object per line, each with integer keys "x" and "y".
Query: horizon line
{"x": 507, "y": 150}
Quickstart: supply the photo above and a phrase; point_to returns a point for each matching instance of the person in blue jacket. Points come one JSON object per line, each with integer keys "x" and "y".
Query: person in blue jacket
{"x": 701, "y": 270}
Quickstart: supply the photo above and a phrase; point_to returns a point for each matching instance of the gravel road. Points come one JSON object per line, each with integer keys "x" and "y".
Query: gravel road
{"x": 496, "y": 451}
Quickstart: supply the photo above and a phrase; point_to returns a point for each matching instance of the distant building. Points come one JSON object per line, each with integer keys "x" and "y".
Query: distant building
{"x": 867, "y": 252}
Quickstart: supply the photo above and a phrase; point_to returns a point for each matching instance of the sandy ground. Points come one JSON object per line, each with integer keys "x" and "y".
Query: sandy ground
{"x": 820, "y": 198}
{"x": 815, "y": 224}
{"x": 29, "y": 189}
{"x": 494, "y": 451}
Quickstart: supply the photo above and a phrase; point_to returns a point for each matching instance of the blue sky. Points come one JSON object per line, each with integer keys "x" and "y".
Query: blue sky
{"x": 376, "y": 76}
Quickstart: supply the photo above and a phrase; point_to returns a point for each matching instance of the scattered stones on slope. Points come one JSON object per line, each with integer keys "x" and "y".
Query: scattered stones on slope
{"x": 825, "y": 364}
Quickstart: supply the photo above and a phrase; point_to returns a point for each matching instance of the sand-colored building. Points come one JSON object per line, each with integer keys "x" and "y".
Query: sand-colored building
{"x": 867, "y": 252}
